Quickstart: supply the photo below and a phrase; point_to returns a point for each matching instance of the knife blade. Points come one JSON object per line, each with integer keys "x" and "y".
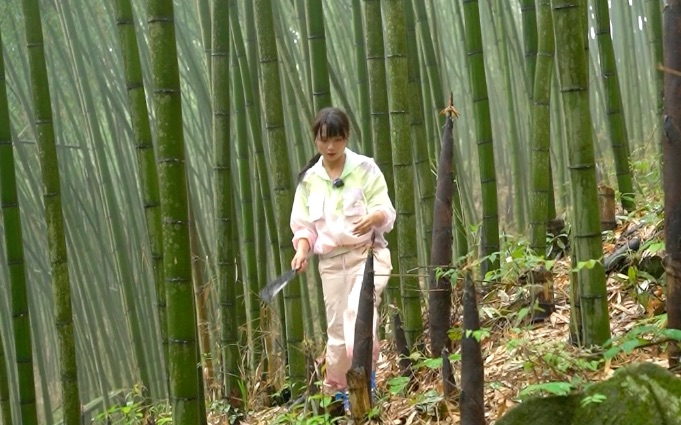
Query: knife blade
{"x": 273, "y": 288}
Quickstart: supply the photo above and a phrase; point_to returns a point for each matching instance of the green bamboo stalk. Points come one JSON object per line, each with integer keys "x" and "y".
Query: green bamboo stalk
{"x": 380, "y": 122}
{"x": 289, "y": 57}
{"x": 654, "y": 27}
{"x": 302, "y": 156}
{"x": 123, "y": 269}
{"x": 362, "y": 79}
{"x": 203, "y": 9}
{"x": 297, "y": 94}
{"x": 619, "y": 137}
{"x": 311, "y": 292}
{"x": 541, "y": 129}
{"x": 321, "y": 93}
{"x": 304, "y": 40}
{"x": 529, "y": 13}
{"x": 295, "y": 114}
{"x": 264, "y": 210}
{"x": 558, "y": 142}
{"x": 403, "y": 165}
{"x": 516, "y": 153}
{"x": 5, "y": 402}
{"x": 434, "y": 98}
{"x": 226, "y": 278}
{"x": 301, "y": 148}
{"x": 632, "y": 76}
{"x": 249, "y": 68}
{"x": 424, "y": 177}
{"x": 9, "y": 204}
{"x": 251, "y": 48}
{"x": 281, "y": 177}
{"x": 204, "y": 346}
{"x": 182, "y": 353}
{"x": 484, "y": 136}
{"x": 146, "y": 163}
{"x": 53, "y": 212}
{"x": 245, "y": 204}
{"x": 343, "y": 98}
{"x": 117, "y": 239}
{"x": 570, "y": 30}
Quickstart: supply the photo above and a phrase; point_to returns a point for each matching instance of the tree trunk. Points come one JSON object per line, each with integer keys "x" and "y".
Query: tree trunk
{"x": 380, "y": 123}
{"x": 672, "y": 169}
{"x": 14, "y": 247}
{"x": 177, "y": 268}
{"x": 483, "y": 134}
{"x": 436, "y": 96}
{"x": 5, "y": 404}
{"x": 424, "y": 177}
{"x": 530, "y": 19}
{"x": 403, "y": 163}
{"x": 56, "y": 240}
{"x": 654, "y": 30}
{"x": 619, "y": 138}
{"x": 246, "y": 209}
{"x": 541, "y": 130}
{"x": 223, "y": 193}
{"x": 321, "y": 93}
{"x": 570, "y": 18}
{"x": 281, "y": 177}
{"x": 362, "y": 79}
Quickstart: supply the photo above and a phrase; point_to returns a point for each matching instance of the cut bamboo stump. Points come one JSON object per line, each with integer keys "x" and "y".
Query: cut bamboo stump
{"x": 541, "y": 292}
{"x": 559, "y": 241}
{"x": 359, "y": 393}
{"x": 606, "y": 203}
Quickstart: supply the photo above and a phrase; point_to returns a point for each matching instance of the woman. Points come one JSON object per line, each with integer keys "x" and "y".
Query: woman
{"x": 341, "y": 200}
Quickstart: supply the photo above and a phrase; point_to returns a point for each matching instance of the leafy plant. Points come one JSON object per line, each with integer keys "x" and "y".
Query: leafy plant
{"x": 428, "y": 402}
{"x": 552, "y": 388}
{"x": 593, "y": 399}
{"x": 133, "y": 410}
{"x": 397, "y": 385}
{"x": 302, "y": 415}
{"x": 223, "y": 409}
{"x": 640, "y": 336}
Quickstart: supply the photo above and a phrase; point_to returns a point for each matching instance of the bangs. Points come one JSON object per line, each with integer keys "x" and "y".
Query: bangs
{"x": 331, "y": 125}
{"x": 331, "y": 129}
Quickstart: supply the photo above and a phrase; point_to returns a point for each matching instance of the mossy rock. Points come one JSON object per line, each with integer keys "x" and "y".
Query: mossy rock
{"x": 640, "y": 394}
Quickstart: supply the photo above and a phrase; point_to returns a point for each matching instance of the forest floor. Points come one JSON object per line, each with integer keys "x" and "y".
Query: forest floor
{"x": 520, "y": 358}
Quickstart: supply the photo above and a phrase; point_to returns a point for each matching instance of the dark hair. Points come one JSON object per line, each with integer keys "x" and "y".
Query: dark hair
{"x": 329, "y": 122}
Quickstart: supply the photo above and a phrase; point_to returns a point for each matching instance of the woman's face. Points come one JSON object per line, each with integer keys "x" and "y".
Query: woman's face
{"x": 331, "y": 148}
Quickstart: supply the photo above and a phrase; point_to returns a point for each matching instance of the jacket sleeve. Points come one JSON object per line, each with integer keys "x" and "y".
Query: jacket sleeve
{"x": 301, "y": 226}
{"x": 376, "y": 192}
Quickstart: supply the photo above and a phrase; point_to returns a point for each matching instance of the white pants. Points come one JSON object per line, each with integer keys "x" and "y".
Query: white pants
{"x": 342, "y": 281}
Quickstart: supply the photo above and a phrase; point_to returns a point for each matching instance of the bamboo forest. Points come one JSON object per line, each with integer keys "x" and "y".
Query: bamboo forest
{"x": 150, "y": 153}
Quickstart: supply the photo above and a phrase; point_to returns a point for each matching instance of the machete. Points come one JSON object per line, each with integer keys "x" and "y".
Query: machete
{"x": 274, "y": 287}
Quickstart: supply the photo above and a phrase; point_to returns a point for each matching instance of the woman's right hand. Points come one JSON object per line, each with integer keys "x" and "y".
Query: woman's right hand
{"x": 299, "y": 262}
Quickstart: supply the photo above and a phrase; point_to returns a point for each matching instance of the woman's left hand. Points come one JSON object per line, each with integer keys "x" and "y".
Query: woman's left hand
{"x": 366, "y": 223}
